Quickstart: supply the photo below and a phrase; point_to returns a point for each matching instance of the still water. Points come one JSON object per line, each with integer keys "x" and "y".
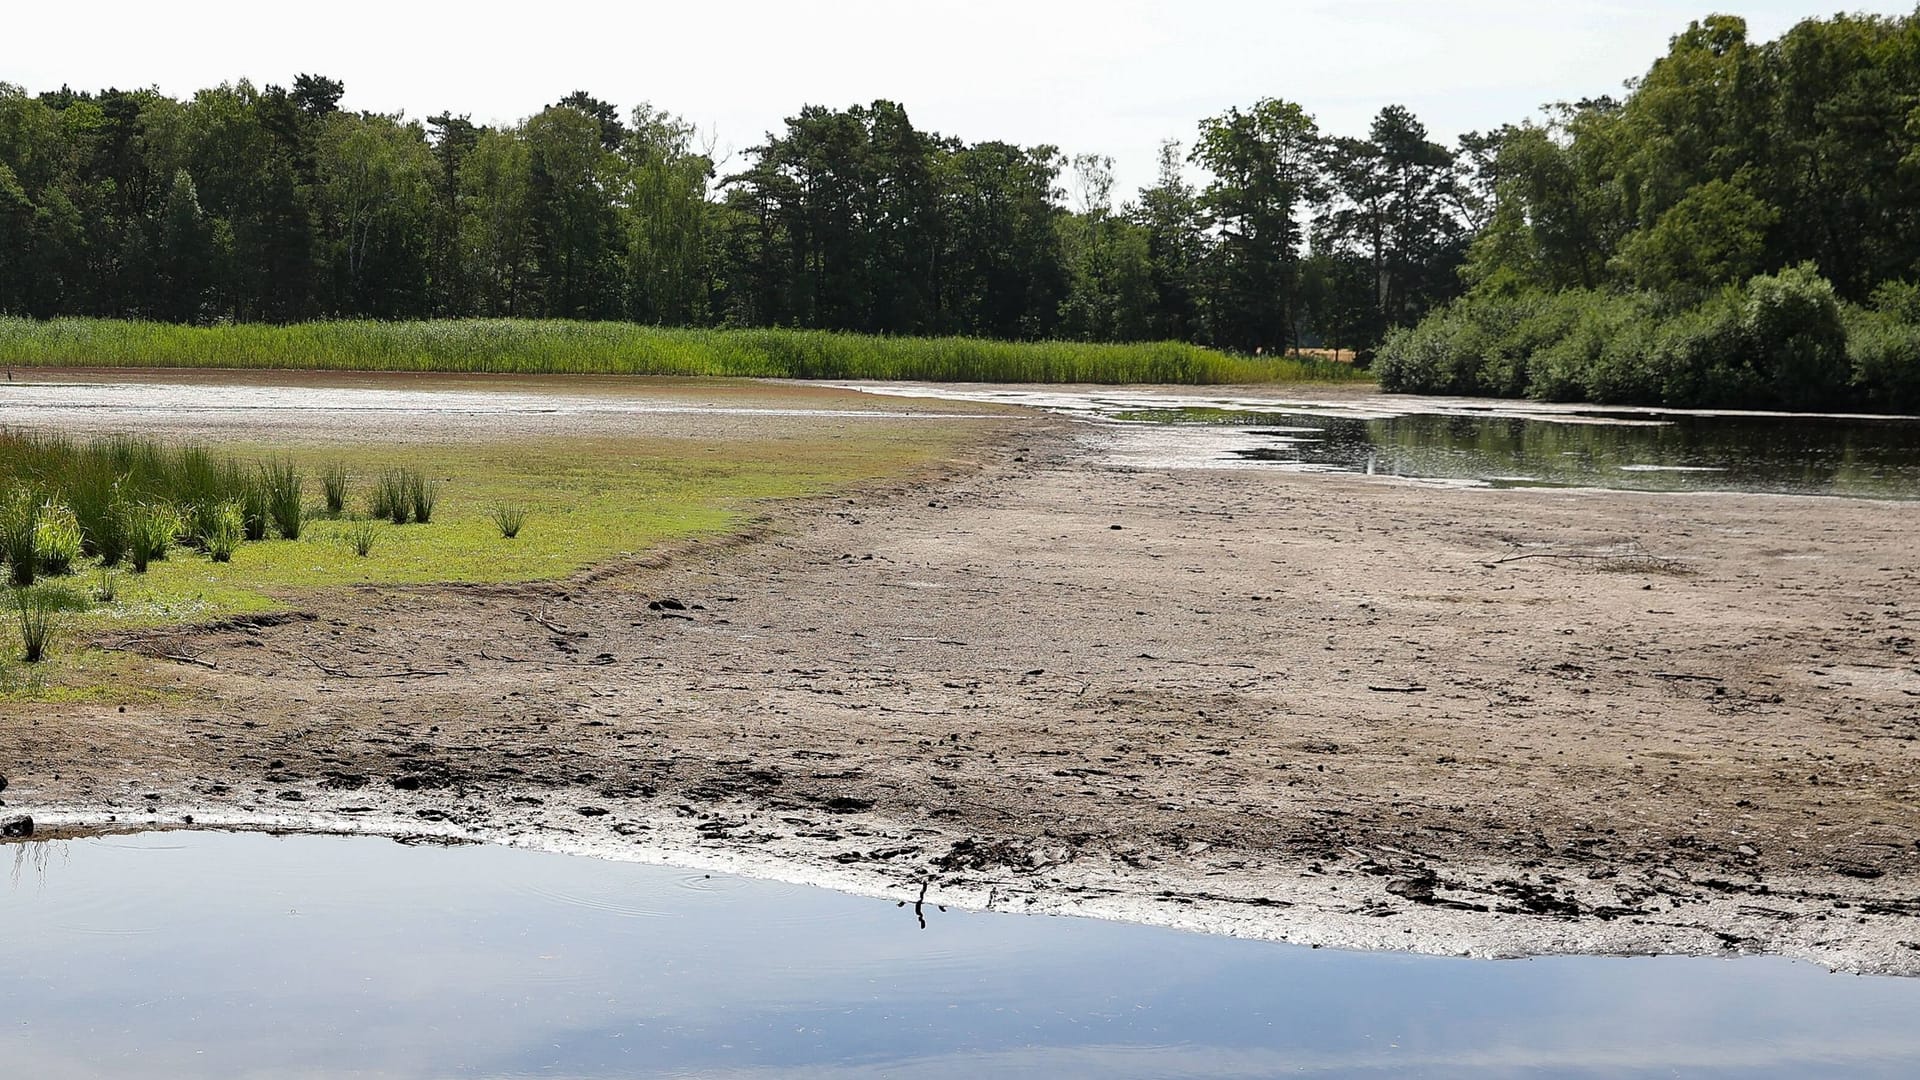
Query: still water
{"x": 1484, "y": 442}
{"x": 1645, "y": 451}
{"x": 243, "y": 955}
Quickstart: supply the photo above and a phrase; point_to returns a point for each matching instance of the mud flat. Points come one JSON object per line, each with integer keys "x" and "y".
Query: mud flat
{"x": 1335, "y": 710}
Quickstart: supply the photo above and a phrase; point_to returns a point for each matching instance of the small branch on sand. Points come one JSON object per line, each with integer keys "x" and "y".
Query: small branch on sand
{"x": 340, "y": 674}
{"x": 1632, "y": 560}
{"x": 1398, "y": 689}
{"x": 1686, "y": 678}
{"x": 563, "y": 631}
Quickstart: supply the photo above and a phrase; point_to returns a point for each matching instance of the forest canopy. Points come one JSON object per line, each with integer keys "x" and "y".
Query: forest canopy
{"x": 1741, "y": 226}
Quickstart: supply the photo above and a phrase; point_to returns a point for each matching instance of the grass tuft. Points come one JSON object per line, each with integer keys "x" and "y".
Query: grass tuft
{"x": 20, "y": 535}
{"x": 226, "y": 524}
{"x": 508, "y": 518}
{"x": 35, "y": 613}
{"x": 282, "y": 483}
{"x": 151, "y": 528}
{"x": 333, "y": 488}
{"x": 422, "y": 495}
{"x": 56, "y": 540}
{"x": 360, "y": 537}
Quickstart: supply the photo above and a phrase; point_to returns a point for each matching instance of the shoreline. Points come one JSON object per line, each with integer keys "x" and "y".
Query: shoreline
{"x": 1271, "y": 705}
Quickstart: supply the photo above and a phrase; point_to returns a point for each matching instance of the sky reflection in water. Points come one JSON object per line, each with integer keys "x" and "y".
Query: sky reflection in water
{"x": 1644, "y": 451}
{"x": 233, "y": 955}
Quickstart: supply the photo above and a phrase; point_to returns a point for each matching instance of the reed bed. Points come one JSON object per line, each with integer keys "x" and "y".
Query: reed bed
{"x": 558, "y": 347}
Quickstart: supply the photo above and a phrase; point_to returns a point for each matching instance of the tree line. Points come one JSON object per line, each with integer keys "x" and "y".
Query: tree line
{"x": 1741, "y": 228}
{"x": 273, "y": 204}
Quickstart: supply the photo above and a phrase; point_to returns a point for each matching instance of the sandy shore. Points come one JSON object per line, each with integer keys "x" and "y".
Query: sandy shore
{"x": 1334, "y": 710}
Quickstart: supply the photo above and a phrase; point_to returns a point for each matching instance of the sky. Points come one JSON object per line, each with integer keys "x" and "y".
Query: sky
{"x": 1111, "y": 77}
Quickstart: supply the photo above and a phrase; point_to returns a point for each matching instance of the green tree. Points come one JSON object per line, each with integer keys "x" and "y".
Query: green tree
{"x": 1266, "y": 177}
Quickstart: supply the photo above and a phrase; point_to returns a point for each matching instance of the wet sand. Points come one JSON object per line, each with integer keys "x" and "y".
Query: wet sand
{"x": 1329, "y": 709}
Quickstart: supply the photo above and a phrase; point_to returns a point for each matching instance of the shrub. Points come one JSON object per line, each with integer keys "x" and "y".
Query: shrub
{"x": 226, "y": 524}
{"x": 1801, "y": 345}
{"x": 508, "y": 519}
{"x": 282, "y": 483}
{"x": 56, "y": 540}
{"x": 35, "y": 613}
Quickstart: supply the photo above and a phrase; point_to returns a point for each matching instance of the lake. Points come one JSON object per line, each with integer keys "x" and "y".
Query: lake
{"x": 184, "y": 954}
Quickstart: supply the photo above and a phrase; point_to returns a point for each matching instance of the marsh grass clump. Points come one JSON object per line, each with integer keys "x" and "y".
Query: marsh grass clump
{"x": 283, "y": 488}
{"x": 56, "y": 540}
{"x": 20, "y": 535}
{"x": 226, "y": 524}
{"x": 95, "y": 498}
{"x": 151, "y": 528}
{"x": 360, "y": 537}
{"x": 422, "y": 496}
{"x": 333, "y": 488}
{"x": 256, "y": 507}
{"x": 109, "y": 588}
{"x": 392, "y": 497}
{"x": 508, "y": 519}
{"x": 35, "y": 613}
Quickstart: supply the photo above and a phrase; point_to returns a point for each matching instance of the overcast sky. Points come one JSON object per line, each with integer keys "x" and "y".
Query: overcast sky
{"x": 1106, "y": 76}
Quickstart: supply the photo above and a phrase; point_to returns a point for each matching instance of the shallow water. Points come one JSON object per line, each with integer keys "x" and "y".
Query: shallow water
{"x": 1498, "y": 443}
{"x": 227, "y": 955}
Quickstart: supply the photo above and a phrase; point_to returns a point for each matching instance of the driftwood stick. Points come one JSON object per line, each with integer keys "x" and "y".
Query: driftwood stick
{"x": 341, "y": 674}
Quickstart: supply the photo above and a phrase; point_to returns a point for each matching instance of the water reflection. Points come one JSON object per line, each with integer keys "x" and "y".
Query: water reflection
{"x": 1642, "y": 451}
{"x": 314, "y": 956}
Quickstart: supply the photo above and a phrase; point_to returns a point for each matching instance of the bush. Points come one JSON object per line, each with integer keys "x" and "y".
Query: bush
{"x": 1883, "y": 352}
{"x": 1779, "y": 341}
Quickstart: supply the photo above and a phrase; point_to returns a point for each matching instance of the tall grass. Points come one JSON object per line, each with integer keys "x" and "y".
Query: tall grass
{"x": 56, "y": 540}
{"x": 35, "y": 614}
{"x": 282, "y": 483}
{"x": 333, "y": 488}
{"x": 225, "y": 526}
{"x": 556, "y": 347}
{"x": 391, "y": 497}
{"x": 508, "y": 518}
{"x": 19, "y": 535}
{"x": 151, "y": 528}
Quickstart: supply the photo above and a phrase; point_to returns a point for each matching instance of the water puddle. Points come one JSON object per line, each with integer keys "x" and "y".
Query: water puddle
{"x": 1494, "y": 443}
{"x": 176, "y": 955}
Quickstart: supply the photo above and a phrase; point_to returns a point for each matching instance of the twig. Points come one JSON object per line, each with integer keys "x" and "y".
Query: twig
{"x": 1398, "y": 689}
{"x": 177, "y": 658}
{"x": 563, "y": 631}
{"x": 1687, "y": 678}
{"x": 340, "y": 674}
